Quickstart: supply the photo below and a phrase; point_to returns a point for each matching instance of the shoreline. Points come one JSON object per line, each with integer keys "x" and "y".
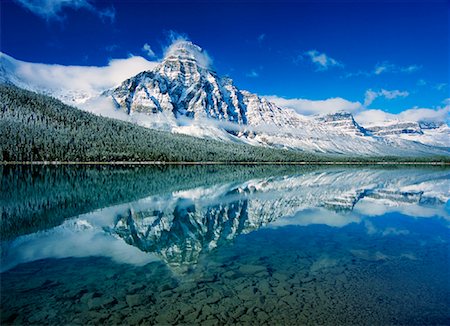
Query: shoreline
{"x": 158, "y": 163}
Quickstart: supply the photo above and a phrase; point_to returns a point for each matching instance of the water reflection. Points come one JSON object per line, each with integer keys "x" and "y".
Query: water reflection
{"x": 180, "y": 224}
{"x": 222, "y": 245}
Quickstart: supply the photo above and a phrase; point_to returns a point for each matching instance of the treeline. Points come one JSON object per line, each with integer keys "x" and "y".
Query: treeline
{"x": 36, "y": 127}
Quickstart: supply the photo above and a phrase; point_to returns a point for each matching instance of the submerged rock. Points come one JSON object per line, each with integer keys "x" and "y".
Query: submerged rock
{"x": 134, "y": 300}
{"x": 252, "y": 269}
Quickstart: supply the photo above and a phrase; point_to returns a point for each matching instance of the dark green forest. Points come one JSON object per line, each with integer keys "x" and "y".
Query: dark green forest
{"x": 36, "y": 127}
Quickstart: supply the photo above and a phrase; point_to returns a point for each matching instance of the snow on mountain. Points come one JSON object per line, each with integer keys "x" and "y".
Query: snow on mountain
{"x": 430, "y": 133}
{"x": 395, "y": 128}
{"x": 206, "y": 105}
{"x": 343, "y": 121}
{"x": 182, "y": 94}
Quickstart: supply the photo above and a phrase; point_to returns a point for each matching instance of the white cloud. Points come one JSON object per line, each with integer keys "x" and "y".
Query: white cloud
{"x": 315, "y": 216}
{"x": 76, "y": 79}
{"x": 409, "y": 69}
{"x": 425, "y": 114}
{"x": 362, "y": 115}
{"x": 74, "y": 238}
{"x": 52, "y": 9}
{"x": 375, "y": 208}
{"x": 386, "y": 66}
{"x": 148, "y": 50}
{"x": 321, "y": 60}
{"x": 252, "y": 74}
{"x": 441, "y": 114}
{"x": 180, "y": 43}
{"x": 308, "y": 107}
{"x": 371, "y": 95}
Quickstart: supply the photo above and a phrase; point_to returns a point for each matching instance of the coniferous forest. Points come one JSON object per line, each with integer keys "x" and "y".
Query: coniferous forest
{"x": 37, "y": 127}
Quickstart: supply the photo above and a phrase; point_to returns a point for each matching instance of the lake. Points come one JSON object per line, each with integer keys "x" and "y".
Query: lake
{"x": 214, "y": 245}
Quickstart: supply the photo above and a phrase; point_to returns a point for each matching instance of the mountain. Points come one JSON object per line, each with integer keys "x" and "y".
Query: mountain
{"x": 343, "y": 121}
{"x": 395, "y": 128}
{"x": 182, "y": 94}
{"x": 36, "y": 127}
{"x": 430, "y": 133}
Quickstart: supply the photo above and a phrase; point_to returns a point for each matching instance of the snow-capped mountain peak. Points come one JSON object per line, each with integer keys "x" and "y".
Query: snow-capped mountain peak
{"x": 183, "y": 94}
{"x": 183, "y": 86}
{"x": 186, "y": 50}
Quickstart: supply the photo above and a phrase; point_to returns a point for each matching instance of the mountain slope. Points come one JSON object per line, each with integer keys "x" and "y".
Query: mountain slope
{"x": 38, "y": 127}
{"x": 184, "y": 96}
{"x": 433, "y": 134}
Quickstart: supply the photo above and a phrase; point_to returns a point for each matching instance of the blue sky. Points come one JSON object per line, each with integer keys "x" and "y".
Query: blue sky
{"x": 385, "y": 54}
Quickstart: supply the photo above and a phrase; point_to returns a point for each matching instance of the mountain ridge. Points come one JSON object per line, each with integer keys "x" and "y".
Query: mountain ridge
{"x": 197, "y": 96}
{"x": 183, "y": 95}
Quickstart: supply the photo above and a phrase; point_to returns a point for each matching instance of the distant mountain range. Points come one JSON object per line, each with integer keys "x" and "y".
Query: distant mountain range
{"x": 183, "y": 95}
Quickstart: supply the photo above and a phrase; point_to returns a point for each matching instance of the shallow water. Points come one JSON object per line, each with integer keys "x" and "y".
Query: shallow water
{"x": 225, "y": 245}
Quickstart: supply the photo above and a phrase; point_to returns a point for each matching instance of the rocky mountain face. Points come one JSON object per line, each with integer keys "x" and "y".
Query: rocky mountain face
{"x": 185, "y": 90}
{"x": 396, "y": 128}
{"x": 343, "y": 121}
{"x": 181, "y": 85}
{"x": 425, "y": 132}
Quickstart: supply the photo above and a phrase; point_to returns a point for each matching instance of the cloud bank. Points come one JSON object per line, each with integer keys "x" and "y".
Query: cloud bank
{"x": 309, "y": 107}
{"x": 363, "y": 115}
{"x": 440, "y": 114}
{"x": 84, "y": 79}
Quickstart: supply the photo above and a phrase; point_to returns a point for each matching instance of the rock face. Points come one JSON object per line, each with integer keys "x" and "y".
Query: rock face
{"x": 426, "y": 132}
{"x": 184, "y": 89}
{"x": 181, "y": 235}
{"x": 343, "y": 121}
{"x": 396, "y": 128}
{"x": 183, "y": 85}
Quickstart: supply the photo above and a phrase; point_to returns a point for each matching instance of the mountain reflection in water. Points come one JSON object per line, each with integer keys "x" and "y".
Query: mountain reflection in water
{"x": 322, "y": 219}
